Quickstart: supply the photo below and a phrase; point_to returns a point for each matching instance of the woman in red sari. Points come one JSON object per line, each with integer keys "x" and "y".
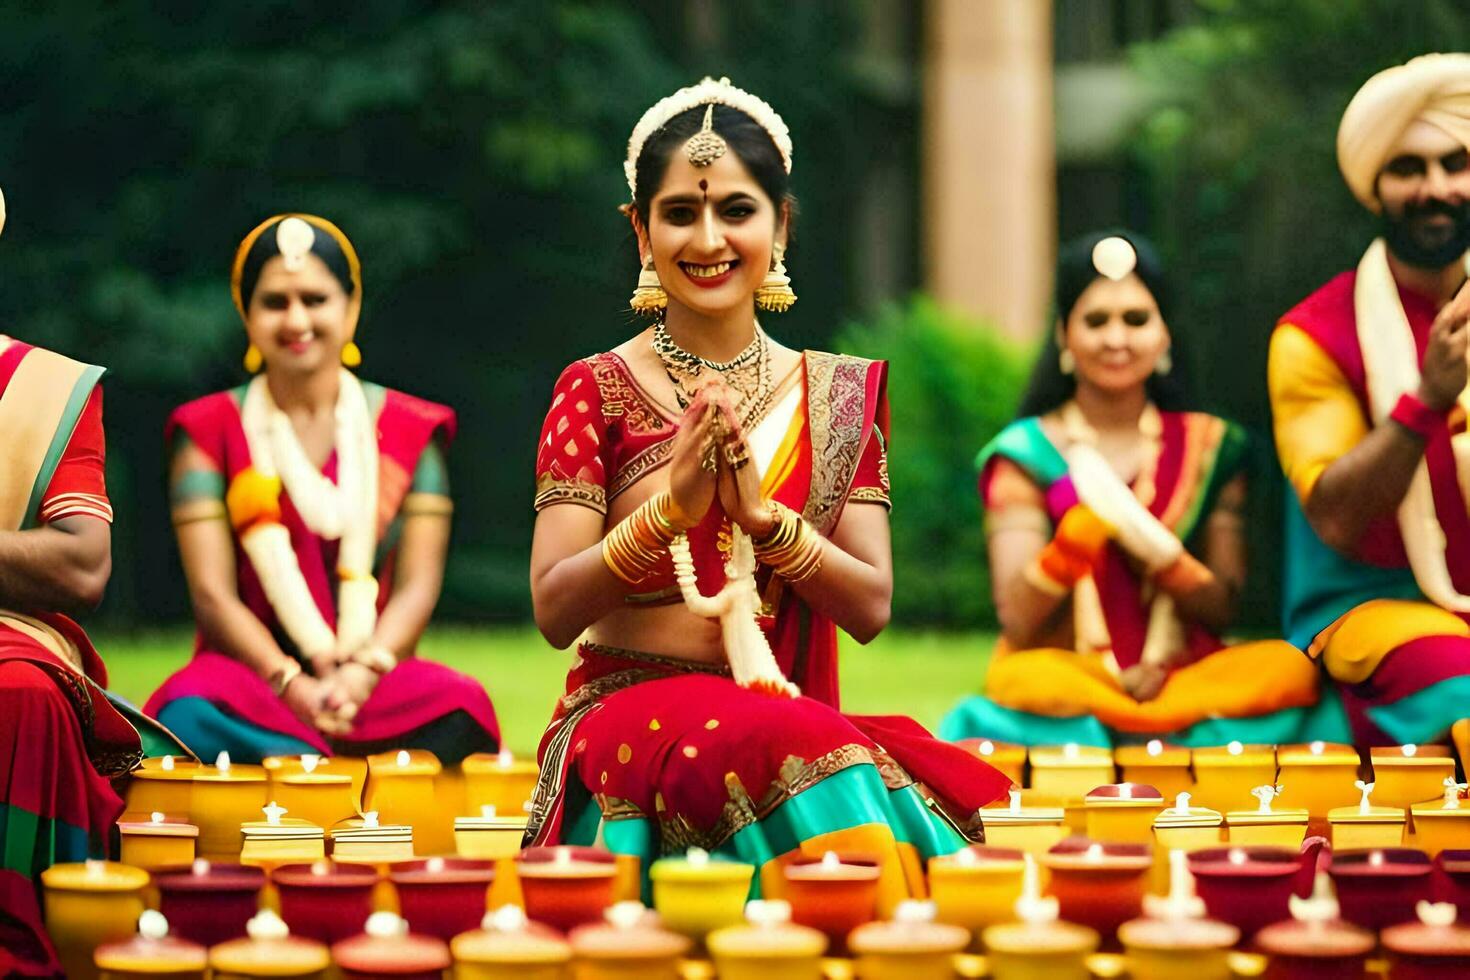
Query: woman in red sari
{"x": 312, "y": 511}
{"x": 703, "y": 430}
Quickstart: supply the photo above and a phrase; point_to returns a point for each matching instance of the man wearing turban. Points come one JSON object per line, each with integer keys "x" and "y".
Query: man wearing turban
{"x": 1367, "y": 383}
{"x": 61, "y": 740}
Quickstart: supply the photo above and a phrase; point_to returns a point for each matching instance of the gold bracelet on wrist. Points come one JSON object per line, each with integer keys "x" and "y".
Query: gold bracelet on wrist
{"x": 793, "y": 548}
{"x": 378, "y": 659}
{"x": 636, "y": 544}
{"x": 282, "y": 676}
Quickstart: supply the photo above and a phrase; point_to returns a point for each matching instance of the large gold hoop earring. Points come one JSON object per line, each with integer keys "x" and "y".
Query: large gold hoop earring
{"x": 649, "y": 297}
{"x": 774, "y": 294}
{"x": 254, "y": 359}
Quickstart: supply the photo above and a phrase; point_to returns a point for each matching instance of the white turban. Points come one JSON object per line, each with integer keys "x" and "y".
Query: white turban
{"x": 1434, "y": 88}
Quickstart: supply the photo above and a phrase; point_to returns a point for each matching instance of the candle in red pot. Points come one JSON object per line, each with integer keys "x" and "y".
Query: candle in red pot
{"x": 385, "y": 948}
{"x": 566, "y": 886}
{"x": 1251, "y": 887}
{"x": 207, "y": 902}
{"x": 1379, "y": 887}
{"x": 1434, "y": 946}
{"x": 834, "y": 893}
{"x": 1098, "y": 885}
{"x": 1315, "y": 942}
{"x": 443, "y": 896}
{"x": 325, "y": 901}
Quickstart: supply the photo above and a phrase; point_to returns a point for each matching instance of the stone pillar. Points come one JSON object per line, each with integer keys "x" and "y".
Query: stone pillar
{"x": 989, "y": 168}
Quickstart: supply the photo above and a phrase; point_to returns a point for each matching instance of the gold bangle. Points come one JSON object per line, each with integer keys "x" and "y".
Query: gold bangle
{"x": 282, "y": 676}
{"x": 379, "y": 660}
{"x": 793, "y": 548}
{"x": 637, "y": 543}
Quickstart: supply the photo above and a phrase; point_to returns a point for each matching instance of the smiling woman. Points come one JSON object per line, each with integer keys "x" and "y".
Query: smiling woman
{"x": 312, "y": 513}
{"x": 712, "y": 506}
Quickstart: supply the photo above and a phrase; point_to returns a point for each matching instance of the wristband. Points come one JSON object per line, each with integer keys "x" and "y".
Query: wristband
{"x": 282, "y": 677}
{"x": 1417, "y": 417}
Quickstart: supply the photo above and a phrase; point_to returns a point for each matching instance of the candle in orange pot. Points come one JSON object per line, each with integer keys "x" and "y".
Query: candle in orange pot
{"x": 976, "y": 887}
{"x": 630, "y": 944}
{"x": 1435, "y": 946}
{"x": 163, "y": 783}
{"x": 566, "y": 886}
{"x": 1033, "y": 829}
{"x": 1005, "y": 756}
{"x": 151, "y": 953}
{"x": 1409, "y": 774}
{"x": 1098, "y": 885}
{"x": 1445, "y": 823}
{"x": 1366, "y": 825}
{"x": 1164, "y": 767}
{"x": 1123, "y": 812}
{"x": 768, "y": 947}
{"x": 156, "y": 840}
{"x": 499, "y": 780}
{"x": 1038, "y": 947}
{"x": 1267, "y": 824}
{"x": 401, "y": 788}
{"x": 508, "y": 946}
{"x": 268, "y": 950}
{"x": 910, "y": 946}
{"x": 279, "y": 839}
{"x": 1320, "y": 776}
{"x": 386, "y": 948}
{"x": 834, "y": 893}
{"x": 224, "y": 797}
{"x": 1225, "y": 775}
{"x": 90, "y": 904}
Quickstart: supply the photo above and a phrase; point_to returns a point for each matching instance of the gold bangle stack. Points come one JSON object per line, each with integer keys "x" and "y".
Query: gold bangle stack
{"x": 639, "y": 541}
{"x": 793, "y": 549}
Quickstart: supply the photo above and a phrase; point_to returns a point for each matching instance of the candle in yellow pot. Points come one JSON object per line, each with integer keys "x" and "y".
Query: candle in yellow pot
{"x": 1225, "y": 775}
{"x": 1409, "y": 774}
{"x": 1034, "y": 829}
{"x": 1164, "y": 767}
{"x": 1174, "y": 940}
{"x": 156, "y": 840}
{"x": 368, "y": 840}
{"x": 1071, "y": 771}
{"x": 1267, "y": 824}
{"x": 508, "y": 946}
{"x": 269, "y": 950}
{"x": 769, "y": 946}
{"x": 1005, "y": 756}
{"x": 1184, "y": 828}
{"x": 1320, "y": 776}
{"x": 976, "y": 887}
{"x": 90, "y": 904}
{"x": 224, "y": 797}
{"x": 401, "y": 788}
{"x": 163, "y": 783}
{"x": 1038, "y": 947}
{"x": 630, "y": 944}
{"x": 1366, "y": 825}
{"x": 151, "y": 953}
{"x": 910, "y": 946}
{"x": 1445, "y": 823}
{"x": 279, "y": 839}
{"x": 1123, "y": 812}
{"x": 697, "y": 894}
{"x": 500, "y": 780}
{"x": 316, "y": 794}
{"x": 490, "y": 837}
{"x": 277, "y": 767}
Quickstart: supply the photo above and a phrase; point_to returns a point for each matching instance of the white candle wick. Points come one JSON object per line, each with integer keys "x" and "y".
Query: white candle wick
{"x": 1364, "y": 805}
{"x": 1071, "y": 750}
{"x": 913, "y": 911}
{"x": 1181, "y": 804}
{"x": 95, "y": 868}
{"x": 625, "y": 915}
{"x": 167, "y": 765}
{"x": 434, "y": 865}
{"x": 1094, "y": 853}
{"x": 273, "y": 813}
{"x": 697, "y": 857}
{"x": 309, "y": 762}
{"x": 487, "y": 810}
{"x": 1238, "y": 857}
{"x": 385, "y": 925}
{"x": 320, "y": 869}
{"x": 265, "y": 926}
{"x": 370, "y": 820}
{"x": 507, "y": 918}
{"x": 1125, "y": 791}
{"x": 1015, "y": 801}
{"x": 222, "y": 761}
{"x": 199, "y": 868}
{"x": 1235, "y": 748}
{"x": 1409, "y": 750}
{"x": 987, "y": 747}
{"x": 1318, "y": 747}
{"x": 1155, "y": 747}
{"x": 403, "y": 758}
{"x": 152, "y": 925}
{"x": 505, "y": 759}
{"x": 967, "y": 857}
{"x": 830, "y": 860}
{"x": 156, "y": 817}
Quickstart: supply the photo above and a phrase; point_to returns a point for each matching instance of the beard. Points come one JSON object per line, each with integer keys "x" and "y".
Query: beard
{"x": 1426, "y": 246}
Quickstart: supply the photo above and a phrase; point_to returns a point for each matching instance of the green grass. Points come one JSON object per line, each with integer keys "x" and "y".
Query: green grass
{"x": 902, "y": 672}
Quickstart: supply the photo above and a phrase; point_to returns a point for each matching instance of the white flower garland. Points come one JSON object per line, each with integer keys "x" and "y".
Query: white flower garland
{"x": 347, "y": 511}
{"x": 736, "y": 605}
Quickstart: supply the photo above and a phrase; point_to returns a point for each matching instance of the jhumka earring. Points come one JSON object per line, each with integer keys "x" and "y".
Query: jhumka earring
{"x": 254, "y": 359}
{"x": 1165, "y": 363}
{"x": 649, "y": 298}
{"x": 774, "y": 294}
{"x": 351, "y": 355}
{"x": 1066, "y": 362}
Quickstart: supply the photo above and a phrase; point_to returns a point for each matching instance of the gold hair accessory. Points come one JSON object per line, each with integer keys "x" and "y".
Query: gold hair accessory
{"x": 708, "y": 91}
{"x": 351, "y": 355}
{"x": 1114, "y": 257}
{"x": 774, "y": 294}
{"x": 706, "y": 146}
{"x": 294, "y": 239}
{"x": 254, "y": 359}
{"x": 649, "y": 298}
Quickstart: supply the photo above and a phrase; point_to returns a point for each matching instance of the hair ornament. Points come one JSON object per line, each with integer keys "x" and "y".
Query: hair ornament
{"x": 706, "y": 146}
{"x": 294, "y": 238}
{"x": 707, "y": 92}
{"x": 1114, "y": 258}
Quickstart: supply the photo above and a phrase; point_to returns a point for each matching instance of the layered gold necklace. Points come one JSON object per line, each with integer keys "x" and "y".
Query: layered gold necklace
{"x": 748, "y": 373}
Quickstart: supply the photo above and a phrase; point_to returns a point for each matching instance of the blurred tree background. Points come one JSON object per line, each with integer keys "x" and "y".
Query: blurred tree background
{"x": 473, "y": 153}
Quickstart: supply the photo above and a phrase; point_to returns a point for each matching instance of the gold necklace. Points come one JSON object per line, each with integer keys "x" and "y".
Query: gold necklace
{"x": 748, "y": 373}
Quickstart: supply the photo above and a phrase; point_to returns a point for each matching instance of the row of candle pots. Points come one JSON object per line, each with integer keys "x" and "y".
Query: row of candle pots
{"x": 406, "y": 787}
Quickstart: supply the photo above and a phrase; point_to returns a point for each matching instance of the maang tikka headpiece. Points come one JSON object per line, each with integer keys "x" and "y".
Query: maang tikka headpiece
{"x": 706, "y": 146}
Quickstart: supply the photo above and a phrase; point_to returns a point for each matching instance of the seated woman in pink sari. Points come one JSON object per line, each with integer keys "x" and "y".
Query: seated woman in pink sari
{"x": 712, "y": 507}
{"x": 312, "y": 511}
